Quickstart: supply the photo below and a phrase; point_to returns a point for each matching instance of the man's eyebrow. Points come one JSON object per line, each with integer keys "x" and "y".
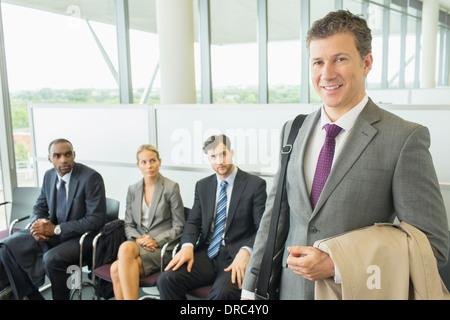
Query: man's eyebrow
{"x": 342, "y": 54}
{"x": 59, "y": 153}
{"x": 334, "y": 56}
{"x": 219, "y": 153}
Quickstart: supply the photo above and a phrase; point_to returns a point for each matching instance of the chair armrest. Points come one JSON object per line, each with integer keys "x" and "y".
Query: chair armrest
{"x": 81, "y": 247}
{"x": 163, "y": 252}
{"x": 175, "y": 250}
{"x": 6, "y": 215}
{"x": 94, "y": 251}
{"x": 164, "y": 249}
{"x": 14, "y": 222}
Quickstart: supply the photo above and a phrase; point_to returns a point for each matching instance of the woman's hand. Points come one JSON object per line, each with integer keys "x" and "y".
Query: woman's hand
{"x": 147, "y": 242}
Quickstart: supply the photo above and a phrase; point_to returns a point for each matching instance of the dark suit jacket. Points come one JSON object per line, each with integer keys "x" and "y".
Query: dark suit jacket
{"x": 247, "y": 205}
{"x": 86, "y": 202}
{"x": 86, "y": 211}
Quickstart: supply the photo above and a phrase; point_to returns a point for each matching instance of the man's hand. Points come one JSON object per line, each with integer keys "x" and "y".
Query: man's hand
{"x": 238, "y": 267}
{"x": 310, "y": 262}
{"x": 186, "y": 254}
{"x": 42, "y": 229}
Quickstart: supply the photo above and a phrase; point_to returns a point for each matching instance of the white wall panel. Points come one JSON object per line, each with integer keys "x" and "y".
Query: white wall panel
{"x": 106, "y": 138}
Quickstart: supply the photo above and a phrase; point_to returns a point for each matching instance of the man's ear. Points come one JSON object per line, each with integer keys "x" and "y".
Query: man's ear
{"x": 368, "y": 62}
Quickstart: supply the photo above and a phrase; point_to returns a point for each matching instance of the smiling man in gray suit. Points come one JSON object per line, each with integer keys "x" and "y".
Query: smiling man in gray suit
{"x": 381, "y": 165}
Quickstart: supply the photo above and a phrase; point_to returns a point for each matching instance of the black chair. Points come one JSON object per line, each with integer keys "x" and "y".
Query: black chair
{"x": 201, "y": 292}
{"x": 103, "y": 271}
{"x": 112, "y": 213}
{"x": 23, "y": 201}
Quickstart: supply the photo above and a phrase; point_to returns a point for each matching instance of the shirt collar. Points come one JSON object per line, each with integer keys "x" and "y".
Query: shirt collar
{"x": 66, "y": 178}
{"x": 347, "y": 121}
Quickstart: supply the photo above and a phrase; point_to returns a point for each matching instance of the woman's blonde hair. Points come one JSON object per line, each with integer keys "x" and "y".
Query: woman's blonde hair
{"x": 147, "y": 147}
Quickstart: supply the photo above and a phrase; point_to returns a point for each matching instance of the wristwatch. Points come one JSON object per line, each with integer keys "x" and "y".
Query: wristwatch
{"x": 57, "y": 230}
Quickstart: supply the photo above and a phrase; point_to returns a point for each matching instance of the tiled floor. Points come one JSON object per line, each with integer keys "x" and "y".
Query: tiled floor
{"x": 87, "y": 292}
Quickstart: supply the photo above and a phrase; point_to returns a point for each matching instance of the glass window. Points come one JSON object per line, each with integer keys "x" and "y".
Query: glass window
{"x": 2, "y": 199}
{"x": 284, "y": 51}
{"x": 54, "y": 58}
{"x": 393, "y": 59}
{"x": 234, "y": 51}
{"x": 319, "y": 9}
{"x": 411, "y": 54}
{"x": 442, "y": 54}
{"x": 354, "y": 6}
{"x": 375, "y": 23}
{"x": 144, "y": 51}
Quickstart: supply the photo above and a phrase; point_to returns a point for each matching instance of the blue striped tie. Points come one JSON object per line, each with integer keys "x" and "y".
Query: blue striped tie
{"x": 219, "y": 227}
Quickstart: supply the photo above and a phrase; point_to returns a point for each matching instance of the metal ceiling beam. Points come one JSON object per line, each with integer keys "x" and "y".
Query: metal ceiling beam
{"x": 123, "y": 45}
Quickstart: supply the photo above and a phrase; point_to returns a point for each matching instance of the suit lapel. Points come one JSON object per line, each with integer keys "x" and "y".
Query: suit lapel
{"x": 238, "y": 188}
{"x": 210, "y": 193}
{"x": 360, "y": 136}
{"x": 52, "y": 196}
{"x": 298, "y": 154}
{"x": 137, "y": 201}
{"x": 73, "y": 185}
{"x": 159, "y": 188}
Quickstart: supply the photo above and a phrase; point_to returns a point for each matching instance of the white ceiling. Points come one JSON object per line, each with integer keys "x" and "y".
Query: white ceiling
{"x": 225, "y": 28}
{"x": 445, "y": 4}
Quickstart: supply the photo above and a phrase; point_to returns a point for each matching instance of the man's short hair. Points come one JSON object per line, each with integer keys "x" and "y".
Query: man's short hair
{"x": 213, "y": 141}
{"x": 59, "y": 140}
{"x": 342, "y": 21}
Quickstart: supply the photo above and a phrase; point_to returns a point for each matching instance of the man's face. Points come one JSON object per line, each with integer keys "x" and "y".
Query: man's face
{"x": 221, "y": 160}
{"x": 338, "y": 72}
{"x": 63, "y": 158}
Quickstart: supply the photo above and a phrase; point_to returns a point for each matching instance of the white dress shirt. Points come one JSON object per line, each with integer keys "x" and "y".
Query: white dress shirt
{"x": 318, "y": 135}
{"x": 230, "y": 179}
{"x": 66, "y": 179}
{"x": 145, "y": 211}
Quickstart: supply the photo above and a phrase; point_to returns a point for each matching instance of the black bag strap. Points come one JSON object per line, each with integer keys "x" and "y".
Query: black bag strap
{"x": 262, "y": 287}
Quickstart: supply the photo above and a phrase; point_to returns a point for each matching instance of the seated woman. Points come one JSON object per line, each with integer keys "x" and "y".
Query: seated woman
{"x": 154, "y": 216}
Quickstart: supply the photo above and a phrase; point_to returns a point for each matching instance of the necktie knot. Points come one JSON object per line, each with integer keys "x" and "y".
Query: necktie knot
{"x": 223, "y": 184}
{"x": 332, "y": 130}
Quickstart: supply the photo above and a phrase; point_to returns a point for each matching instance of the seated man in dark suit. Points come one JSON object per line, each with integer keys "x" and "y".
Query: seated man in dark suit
{"x": 220, "y": 229}
{"x": 72, "y": 202}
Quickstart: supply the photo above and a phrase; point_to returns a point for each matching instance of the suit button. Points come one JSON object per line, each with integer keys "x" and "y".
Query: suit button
{"x": 313, "y": 230}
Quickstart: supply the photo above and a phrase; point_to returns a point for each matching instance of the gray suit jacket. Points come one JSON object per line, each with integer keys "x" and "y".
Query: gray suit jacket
{"x": 384, "y": 170}
{"x": 166, "y": 219}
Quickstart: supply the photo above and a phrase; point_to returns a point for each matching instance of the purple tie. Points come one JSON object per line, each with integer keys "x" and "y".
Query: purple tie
{"x": 324, "y": 163}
